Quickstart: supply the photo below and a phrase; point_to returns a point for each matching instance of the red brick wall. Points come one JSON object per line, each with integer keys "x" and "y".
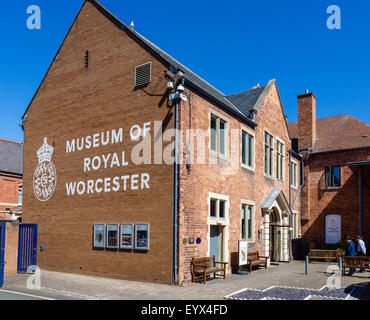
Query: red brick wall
{"x": 343, "y": 201}
{"x": 197, "y": 182}
{"x": 74, "y": 102}
{"x": 9, "y": 185}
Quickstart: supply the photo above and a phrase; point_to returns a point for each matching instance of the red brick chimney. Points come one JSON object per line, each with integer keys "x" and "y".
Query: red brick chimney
{"x": 306, "y": 120}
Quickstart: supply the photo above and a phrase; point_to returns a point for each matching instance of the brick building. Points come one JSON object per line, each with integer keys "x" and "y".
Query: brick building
{"x": 335, "y": 192}
{"x": 11, "y": 172}
{"x": 108, "y": 94}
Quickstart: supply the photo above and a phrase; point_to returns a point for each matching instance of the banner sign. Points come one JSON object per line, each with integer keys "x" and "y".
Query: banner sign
{"x": 243, "y": 252}
{"x": 332, "y": 228}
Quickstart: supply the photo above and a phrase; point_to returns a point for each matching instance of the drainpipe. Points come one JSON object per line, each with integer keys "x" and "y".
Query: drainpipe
{"x": 175, "y": 189}
{"x": 290, "y": 207}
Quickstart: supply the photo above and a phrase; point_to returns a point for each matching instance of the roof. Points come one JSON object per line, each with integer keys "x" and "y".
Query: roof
{"x": 246, "y": 100}
{"x": 274, "y": 195}
{"x": 340, "y": 132}
{"x": 239, "y": 108}
{"x": 11, "y": 157}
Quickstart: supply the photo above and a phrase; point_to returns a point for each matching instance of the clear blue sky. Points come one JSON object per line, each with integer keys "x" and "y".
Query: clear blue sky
{"x": 232, "y": 44}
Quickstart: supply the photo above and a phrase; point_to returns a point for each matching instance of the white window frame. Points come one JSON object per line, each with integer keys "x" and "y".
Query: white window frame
{"x": 249, "y": 132}
{"x": 295, "y": 226}
{"x": 281, "y": 154}
{"x": 218, "y": 117}
{"x": 20, "y": 188}
{"x": 224, "y": 222}
{"x": 272, "y": 154}
{"x": 248, "y": 203}
{"x": 294, "y": 182}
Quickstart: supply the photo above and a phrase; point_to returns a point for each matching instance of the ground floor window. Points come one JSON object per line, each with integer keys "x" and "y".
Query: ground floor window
{"x": 247, "y": 222}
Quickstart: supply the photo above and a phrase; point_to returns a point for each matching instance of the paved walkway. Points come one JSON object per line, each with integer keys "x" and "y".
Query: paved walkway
{"x": 286, "y": 274}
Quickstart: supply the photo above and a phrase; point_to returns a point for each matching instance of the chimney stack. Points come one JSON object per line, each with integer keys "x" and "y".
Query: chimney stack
{"x": 306, "y": 120}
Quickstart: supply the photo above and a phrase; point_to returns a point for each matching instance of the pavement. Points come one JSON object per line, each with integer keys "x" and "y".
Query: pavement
{"x": 58, "y": 285}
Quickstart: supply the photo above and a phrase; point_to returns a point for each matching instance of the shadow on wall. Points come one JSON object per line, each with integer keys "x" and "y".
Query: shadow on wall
{"x": 346, "y": 204}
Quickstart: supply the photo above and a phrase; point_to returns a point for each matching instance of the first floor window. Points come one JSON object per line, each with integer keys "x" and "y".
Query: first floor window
{"x": 247, "y": 149}
{"x": 218, "y": 134}
{"x": 268, "y": 154}
{"x": 279, "y": 160}
{"x": 332, "y": 177}
{"x": 293, "y": 175}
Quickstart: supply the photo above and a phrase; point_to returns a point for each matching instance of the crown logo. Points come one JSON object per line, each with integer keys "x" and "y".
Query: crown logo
{"x": 45, "y": 152}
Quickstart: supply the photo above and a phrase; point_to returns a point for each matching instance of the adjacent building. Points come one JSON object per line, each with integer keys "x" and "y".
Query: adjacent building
{"x": 335, "y": 199}
{"x": 11, "y": 177}
{"x": 101, "y": 178}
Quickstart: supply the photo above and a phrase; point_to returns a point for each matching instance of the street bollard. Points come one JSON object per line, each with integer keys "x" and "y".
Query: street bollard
{"x": 306, "y": 264}
{"x": 340, "y": 266}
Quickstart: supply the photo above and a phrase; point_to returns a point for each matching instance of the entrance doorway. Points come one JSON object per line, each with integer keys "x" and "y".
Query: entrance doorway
{"x": 216, "y": 242}
{"x": 275, "y": 237}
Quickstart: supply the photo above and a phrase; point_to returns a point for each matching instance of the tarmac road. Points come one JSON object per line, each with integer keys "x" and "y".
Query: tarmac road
{"x": 21, "y": 294}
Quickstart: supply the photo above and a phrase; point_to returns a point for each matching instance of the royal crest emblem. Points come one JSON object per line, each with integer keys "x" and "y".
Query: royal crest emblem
{"x": 44, "y": 177}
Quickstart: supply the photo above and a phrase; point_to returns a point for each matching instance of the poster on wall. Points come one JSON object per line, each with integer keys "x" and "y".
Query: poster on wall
{"x": 243, "y": 252}
{"x": 99, "y": 235}
{"x": 332, "y": 228}
{"x": 127, "y": 236}
{"x": 112, "y": 235}
{"x": 142, "y": 236}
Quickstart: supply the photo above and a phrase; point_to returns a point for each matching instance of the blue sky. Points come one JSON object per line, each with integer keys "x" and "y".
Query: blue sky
{"x": 232, "y": 44}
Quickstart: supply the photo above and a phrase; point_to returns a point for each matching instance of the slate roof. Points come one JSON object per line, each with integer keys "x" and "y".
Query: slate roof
{"x": 337, "y": 133}
{"x": 246, "y": 100}
{"x": 11, "y": 157}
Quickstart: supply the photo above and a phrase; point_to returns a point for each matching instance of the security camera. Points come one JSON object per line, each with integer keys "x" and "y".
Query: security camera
{"x": 180, "y": 88}
{"x": 170, "y": 85}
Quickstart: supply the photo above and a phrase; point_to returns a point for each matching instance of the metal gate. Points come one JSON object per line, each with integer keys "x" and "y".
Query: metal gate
{"x": 27, "y": 248}
{"x": 2, "y": 251}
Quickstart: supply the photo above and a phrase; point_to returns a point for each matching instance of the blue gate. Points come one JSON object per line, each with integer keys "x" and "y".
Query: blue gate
{"x": 2, "y": 251}
{"x": 27, "y": 248}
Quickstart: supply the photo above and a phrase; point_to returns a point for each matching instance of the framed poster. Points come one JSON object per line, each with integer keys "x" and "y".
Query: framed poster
{"x": 127, "y": 236}
{"x": 243, "y": 252}
{"x": 332, "y": 228}
{"x": 99, "y": 235}
{"x": 112, "y": 235}
{"x": 142, "y": 236}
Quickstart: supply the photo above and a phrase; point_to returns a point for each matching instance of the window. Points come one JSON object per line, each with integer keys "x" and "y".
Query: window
{"x": 332, "y": 177}
{"x": 295, "y": 225}
{"x": 279, "y": 160}
{"x": 218, "y": 208}
{"x": 268, "y": 154}
{"x": 218, "y": 135}
{"x": 222, "y": 209}
{"x": 247, "y": 149}
{"x": 293, "y": 175}
{"x": 20, "y": 194}
{"x": 247, "y": 222}
{"x": 213, "y": 212}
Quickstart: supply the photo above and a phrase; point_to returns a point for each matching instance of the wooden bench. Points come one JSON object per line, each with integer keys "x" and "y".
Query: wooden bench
{"x": 324, "y": 254}
{"x": 201, "y": 267}
{"x": 254, "y": 259}
{"x": 357, "y": 262}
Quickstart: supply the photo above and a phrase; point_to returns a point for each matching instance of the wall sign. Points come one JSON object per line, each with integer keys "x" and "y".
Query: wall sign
{"x": 112, "y": 235}
{"x": 243, "y": 252}
{"x": 142, "y": 236}
{"x": 332, "y": 228}
{"x": 127, "y": 236}
{"x": 99, "y": 235}
{"x": 45, "y": 175}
